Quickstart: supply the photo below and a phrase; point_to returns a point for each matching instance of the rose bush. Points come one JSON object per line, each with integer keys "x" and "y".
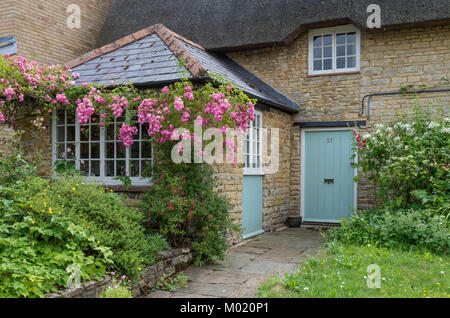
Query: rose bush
{"x": 161, "y": 111}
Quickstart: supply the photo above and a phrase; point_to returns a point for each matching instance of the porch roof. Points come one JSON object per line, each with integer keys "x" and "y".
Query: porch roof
{"x": 151, "y": 57}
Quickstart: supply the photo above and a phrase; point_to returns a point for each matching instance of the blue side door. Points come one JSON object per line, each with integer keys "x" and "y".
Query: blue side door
{"x": 252, "y": 222}
{"x": 328, "y": 180}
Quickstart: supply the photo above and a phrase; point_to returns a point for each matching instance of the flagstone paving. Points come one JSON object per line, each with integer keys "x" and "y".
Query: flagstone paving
{"x": 248, "y": 265}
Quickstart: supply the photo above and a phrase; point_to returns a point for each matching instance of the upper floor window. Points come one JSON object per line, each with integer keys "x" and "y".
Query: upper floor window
{"x": 97, "y": 151}
{"x": 334, "y": 50}
{"x": 253, "y": 146}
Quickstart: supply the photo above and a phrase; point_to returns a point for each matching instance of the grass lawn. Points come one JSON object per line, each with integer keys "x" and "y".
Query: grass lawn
{"x": 341, "y": 271}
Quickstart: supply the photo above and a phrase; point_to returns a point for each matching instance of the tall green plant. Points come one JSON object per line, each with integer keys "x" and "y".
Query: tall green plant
{"x": 407, "y": 155}
{"x": 186, "y": 206}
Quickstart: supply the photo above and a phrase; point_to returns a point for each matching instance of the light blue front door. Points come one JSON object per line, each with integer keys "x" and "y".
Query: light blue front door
{"x": 252, "y": 206}
{"x": 328, "y": 180}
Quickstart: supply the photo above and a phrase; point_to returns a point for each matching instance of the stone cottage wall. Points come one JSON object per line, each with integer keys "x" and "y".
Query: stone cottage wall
{"x": 41, "y": 31}
{"x": 389, "y": 60}
{"x": 276, "y": 185}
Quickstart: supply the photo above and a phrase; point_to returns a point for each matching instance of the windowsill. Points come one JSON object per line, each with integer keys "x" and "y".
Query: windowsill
{"x": 256, "y": 172}
{"x": 335, "y": 74}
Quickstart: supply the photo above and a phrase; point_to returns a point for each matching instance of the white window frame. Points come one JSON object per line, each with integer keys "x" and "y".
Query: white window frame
{"x": 135, "y": 181}
{"x": 333, "y": 31}
{"x": 250, "y": 136}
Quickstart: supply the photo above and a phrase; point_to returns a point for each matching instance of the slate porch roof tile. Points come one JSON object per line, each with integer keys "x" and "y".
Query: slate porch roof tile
{"x": 151, "y": 57}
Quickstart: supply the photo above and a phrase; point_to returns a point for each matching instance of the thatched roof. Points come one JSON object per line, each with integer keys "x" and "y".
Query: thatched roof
{"x": 231, "y": 24}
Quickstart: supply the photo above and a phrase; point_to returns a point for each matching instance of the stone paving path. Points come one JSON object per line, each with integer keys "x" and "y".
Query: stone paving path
{"x": 247, "y": 265}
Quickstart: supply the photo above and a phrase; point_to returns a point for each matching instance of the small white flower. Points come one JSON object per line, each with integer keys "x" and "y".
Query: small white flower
{"x": 306, "y": 288}
{"x": 442, "y": 272}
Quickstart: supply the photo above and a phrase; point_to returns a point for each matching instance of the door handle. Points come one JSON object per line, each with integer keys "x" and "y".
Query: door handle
{"x": 328, "y": 181}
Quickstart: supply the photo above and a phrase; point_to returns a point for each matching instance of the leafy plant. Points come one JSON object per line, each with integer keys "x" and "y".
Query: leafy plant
{"x": 185, "y": 206}
{"x": 38, "y": 245}
{"x": 405, "y": 229}
{"x": 102, "y": 213}
{"x": 118, "y": 288}
{"x": 171, "y": 282}
{"x": 406, "y": 156}
{"x": 156, "y": 244}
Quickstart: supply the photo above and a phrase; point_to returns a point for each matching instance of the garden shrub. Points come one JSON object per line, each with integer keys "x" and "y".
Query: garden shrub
{"x": 387, "y": 227}
{"x": 186, "y": 207}
{"x": 406, "y": 156}
{"x": 118, "y": 288}
{"x": 37, "y": 246}
{"x": 103, "y": 214}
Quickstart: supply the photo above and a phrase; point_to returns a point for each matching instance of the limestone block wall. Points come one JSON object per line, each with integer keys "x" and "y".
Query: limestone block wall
{"x": 41, "y": 31}
{"x": 230, "y": 179}
{"x": 276, "y": 185}
{"x": 390, "y": 60}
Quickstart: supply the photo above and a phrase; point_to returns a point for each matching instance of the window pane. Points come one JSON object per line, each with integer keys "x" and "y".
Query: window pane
{"x": 84, "y": 151}
{"x": 134, "y": 168}
{"x": 317, "y": 65}
{"x": 327, "y": 64}
{"x": 135, "y": 150}
{"x": 109, "y": 150}
{"x": 351, "y": 37}
{"x": 70, "y": 133}
{"x": 95, "y": 150}
{"x": 120, "y": 150}
{"x": 146, "y": 150}
{"x": 317, "y": 52}
{"x": 109, "y": 166}
{"x": 95, "y": 133}
{"x": 351, "y": 49}
{"x": 327, "y": 40}
{"x": 110, "y": 132}
{"x": 61, "y": 134}
{"x": 340, "y": 38}
{"x": 84, "y": 133}
{"x": 70, "y": 151}
{"x": 61, "y": 151}
{"x": 317, "y": 41}
{"x": 351, "y": 61}
{"x": 340, "y": 51}
{"x": 120, "y": 168}
{"x": 84, "y": 167}
{"x": 95, "y": 168}
{"x": 340, "y": 62}
{"x": 327, "y": 51}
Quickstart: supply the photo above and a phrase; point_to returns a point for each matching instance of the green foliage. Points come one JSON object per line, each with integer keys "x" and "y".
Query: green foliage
{"x": 36, "y": 247}
{"x": 118, "y": 288}
{"x": 403, "y": 157}
{"x": 103, "y": 214}
{"x": 156, "y": 244}
{"x": 405, "y": 229}
{"x": 171, "y": 282}
{"x": 341, "y": 271}
{"x": 13, "y": 168}
{"x": 186, "y": 207}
